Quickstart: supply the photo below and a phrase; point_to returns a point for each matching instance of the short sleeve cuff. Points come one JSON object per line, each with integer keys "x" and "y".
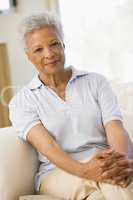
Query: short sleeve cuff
{"x": 23, "y": 135}
{"x": 105, "y": 121}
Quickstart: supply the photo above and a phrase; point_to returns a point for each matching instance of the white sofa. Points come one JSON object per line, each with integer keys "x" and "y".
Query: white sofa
{"x": 18, "y": 164}
{"x": 18, "y": 160}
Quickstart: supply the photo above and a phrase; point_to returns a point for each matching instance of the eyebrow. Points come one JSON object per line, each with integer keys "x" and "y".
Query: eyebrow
{"x": 39, "y": 45}
{"x": 54, "y": 40}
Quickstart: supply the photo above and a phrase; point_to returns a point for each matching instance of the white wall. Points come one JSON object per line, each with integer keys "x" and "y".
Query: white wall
{"x": 21, "y": 69}
{"x": 99, "y": 36}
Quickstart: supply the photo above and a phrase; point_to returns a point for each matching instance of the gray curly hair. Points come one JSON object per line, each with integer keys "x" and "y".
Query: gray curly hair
{"x": 37, "y": 21}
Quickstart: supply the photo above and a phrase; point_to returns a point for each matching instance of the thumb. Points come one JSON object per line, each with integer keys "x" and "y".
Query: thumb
{"x": 99, "y": 154}
{"x": 104, "y": 153}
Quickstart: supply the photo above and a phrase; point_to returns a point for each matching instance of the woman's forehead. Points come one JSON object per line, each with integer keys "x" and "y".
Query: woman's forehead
{"x": 45, "y": 34}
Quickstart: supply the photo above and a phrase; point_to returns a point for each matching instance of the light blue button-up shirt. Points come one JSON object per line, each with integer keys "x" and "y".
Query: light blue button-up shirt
{"x": 77, "y": 124}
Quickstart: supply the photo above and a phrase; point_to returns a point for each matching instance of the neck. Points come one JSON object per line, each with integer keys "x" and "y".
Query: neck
{"x": 56, "y": 80}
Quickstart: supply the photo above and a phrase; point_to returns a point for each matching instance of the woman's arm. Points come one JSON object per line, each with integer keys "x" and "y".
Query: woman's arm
{"x": 39, "y": 137}
{"x": 119, "y": 169}
{"x": 41, "y": 140}
{"x": 118, "y": 138}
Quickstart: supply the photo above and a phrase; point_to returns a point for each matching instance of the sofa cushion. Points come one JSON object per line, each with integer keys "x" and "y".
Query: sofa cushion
{"x": 18, "y": 164}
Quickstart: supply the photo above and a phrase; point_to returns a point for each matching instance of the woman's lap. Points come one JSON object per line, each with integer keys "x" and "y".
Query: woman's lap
{"x": 115, "y": 192}
{"x": 66, "y": 186}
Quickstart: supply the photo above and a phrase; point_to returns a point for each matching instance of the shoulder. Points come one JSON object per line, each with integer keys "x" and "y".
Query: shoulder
{"x": 96, "y": 83}
{"x": 93, "y": 76}
{"x": 96, "y": 80}
{"x": 26, "y": 95}
{"x": 22, "y": 98}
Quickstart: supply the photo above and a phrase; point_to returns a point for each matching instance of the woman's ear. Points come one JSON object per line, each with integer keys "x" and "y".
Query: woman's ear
{"x": 28, "y": 55}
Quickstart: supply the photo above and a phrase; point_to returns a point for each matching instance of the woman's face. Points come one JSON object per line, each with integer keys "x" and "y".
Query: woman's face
{"x": 45, "y": 50}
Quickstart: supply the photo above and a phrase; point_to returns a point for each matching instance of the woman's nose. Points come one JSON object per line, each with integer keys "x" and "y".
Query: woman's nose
{"x": 48, "y": 53}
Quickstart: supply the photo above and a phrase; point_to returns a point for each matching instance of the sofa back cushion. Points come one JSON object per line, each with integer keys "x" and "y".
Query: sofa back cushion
{"x": 18, "y": 165}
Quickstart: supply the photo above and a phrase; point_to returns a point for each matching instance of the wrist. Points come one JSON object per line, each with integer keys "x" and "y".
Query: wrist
{"x": 79, "y": 169}
{"x": 83, "y": 170}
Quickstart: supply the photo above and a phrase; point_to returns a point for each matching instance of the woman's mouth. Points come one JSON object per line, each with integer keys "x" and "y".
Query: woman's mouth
{"x": 52, "y": 63}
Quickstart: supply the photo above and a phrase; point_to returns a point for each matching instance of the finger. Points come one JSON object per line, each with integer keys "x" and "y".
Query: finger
{"x": 99, "y": 154}
{"x": 110, "y": 165}
{"x": 115, "y": 166}
{"x": 119, "y": 154}
{"x": 106, "y": 153}
{"x": 111, "y": 159}
{"x": 123, "y": 162}
{"x": 126, "y": 162}
{"x": 120, "y": 178}
{"x": 116, "y": 155}
{"x": 111, "y": 173}
{"x": 127, "y": 172}
{"x": 109, "y": 181}
{"x": 123, "y": 178}
{"x": 125, "y": 183}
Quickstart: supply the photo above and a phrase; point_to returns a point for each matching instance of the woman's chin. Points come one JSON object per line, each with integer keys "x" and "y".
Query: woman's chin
{"x": 52, "y": 69}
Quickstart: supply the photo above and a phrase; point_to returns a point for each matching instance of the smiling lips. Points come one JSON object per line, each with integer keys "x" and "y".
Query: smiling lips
{"x": 52, "y": 63}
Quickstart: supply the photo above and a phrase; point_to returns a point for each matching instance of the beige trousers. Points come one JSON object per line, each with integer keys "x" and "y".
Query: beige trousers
{"x": 65, "y": 186}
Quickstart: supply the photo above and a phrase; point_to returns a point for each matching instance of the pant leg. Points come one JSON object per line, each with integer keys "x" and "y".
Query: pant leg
{"x": 38, "y": 197}
{"x": 64, "y": 185}
{"x": 96, "y": 195}
{"x": 116, "y": 192}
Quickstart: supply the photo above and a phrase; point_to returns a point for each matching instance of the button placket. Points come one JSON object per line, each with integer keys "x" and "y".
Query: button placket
{"x": 67, "y": 93}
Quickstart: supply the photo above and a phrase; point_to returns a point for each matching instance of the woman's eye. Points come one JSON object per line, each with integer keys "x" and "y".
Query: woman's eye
{"x": 55, "y": 44}
{"x": 38, "y": 50}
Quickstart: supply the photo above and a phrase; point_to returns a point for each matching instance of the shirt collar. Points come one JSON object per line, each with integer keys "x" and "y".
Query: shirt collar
{"x": 36, "y": 83}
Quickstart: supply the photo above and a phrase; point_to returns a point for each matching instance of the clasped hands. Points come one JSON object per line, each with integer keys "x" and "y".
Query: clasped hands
{"x": 109, "y": 166}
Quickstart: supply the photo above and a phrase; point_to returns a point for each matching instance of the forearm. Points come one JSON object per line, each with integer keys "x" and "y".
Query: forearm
{"x": 44, "y": 143}
{"x": 62, "y": 160}
{"x": 121, "y": 142}
{"x": 118, "y": 138}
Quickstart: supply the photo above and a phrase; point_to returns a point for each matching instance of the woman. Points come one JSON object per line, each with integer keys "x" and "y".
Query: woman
{"x": 72, "y": 119}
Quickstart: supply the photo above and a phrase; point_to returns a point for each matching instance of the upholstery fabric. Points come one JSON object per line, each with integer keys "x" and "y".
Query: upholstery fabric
{"x": 18, "y": 164}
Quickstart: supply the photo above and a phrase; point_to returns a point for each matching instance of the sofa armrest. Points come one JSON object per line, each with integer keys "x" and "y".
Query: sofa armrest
{"x": 18, "y": 165}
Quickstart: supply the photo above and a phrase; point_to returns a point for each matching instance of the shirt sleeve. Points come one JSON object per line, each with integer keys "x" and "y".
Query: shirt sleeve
{"x": 108, "y": 102}
{"x": 23, "y": 114}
